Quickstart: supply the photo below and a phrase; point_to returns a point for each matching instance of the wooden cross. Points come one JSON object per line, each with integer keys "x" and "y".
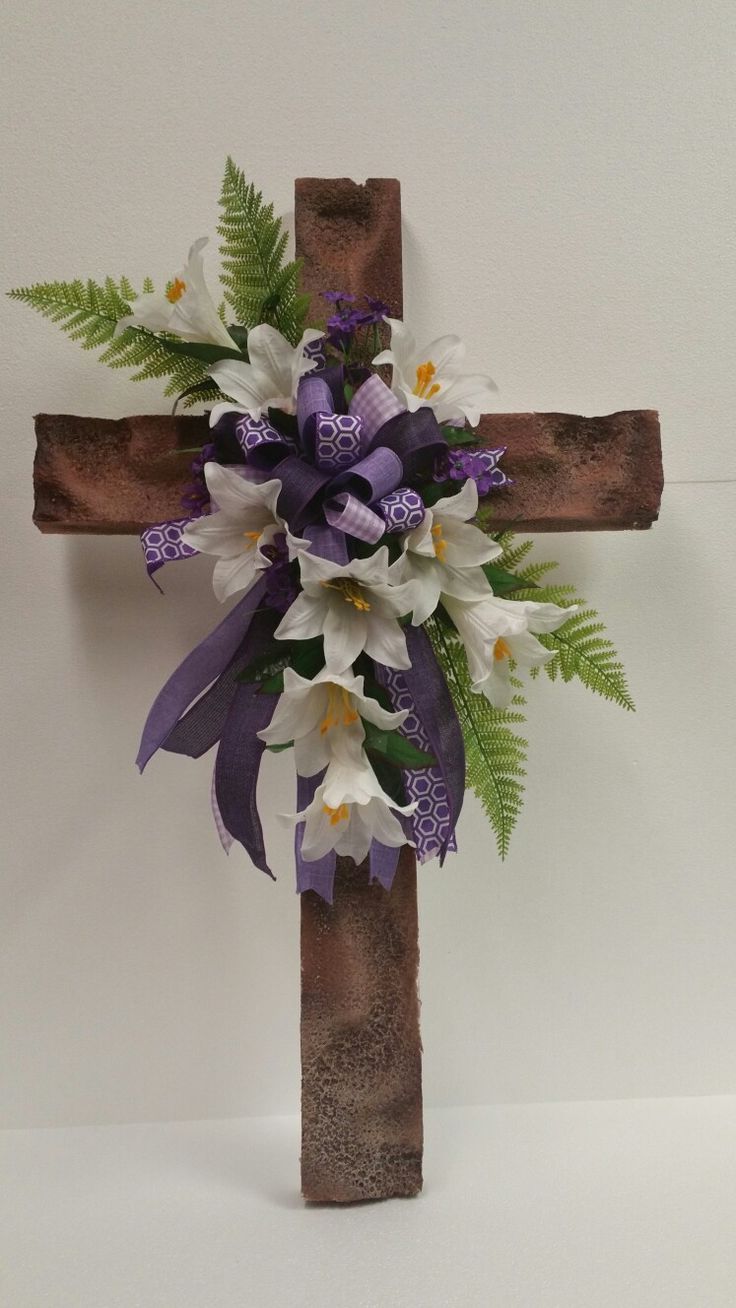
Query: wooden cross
{"x": 360, "y": 1045}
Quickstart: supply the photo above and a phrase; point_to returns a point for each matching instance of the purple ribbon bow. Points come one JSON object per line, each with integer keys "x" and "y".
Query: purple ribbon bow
{"x": 352, "y": 468}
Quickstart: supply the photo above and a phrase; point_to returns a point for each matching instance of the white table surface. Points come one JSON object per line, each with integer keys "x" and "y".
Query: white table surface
{"x": 621, "y": 1204}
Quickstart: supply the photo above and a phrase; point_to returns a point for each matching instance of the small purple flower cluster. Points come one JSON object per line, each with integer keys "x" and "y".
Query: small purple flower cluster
{"x": 346, "y": 320}
{"x": 281, "y": 588}
{"x": 481, "y": 466}
{"x": 196, "y": 497}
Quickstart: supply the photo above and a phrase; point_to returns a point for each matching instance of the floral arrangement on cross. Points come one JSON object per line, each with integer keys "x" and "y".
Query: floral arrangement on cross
{"x": 378, "y": 629}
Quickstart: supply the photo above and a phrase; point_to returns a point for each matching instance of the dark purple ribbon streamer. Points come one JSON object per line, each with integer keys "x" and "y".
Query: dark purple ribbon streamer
{"x": 201, "y": 727}
{"x": 198, "y": 670}
{"x": 426, "y": 684}
{"x": 239, "y": 756}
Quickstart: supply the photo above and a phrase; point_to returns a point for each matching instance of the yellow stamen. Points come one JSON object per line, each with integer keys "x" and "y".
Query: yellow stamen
{"x": 351, "y": 592}
{"x": 501, "y": 650}
{"x": 176, "y": 290}
{"x": 253, "y": 536}
{"x": 425, "y": 388}
{"x": 336, "y": 815}
{"x": 340, "y": 709}
{"x": 440, "y": 544}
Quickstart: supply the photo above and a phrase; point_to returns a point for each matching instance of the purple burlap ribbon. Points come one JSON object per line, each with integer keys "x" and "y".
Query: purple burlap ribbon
{"x": 239, "y": 757}
{"x": 199, "y": 670}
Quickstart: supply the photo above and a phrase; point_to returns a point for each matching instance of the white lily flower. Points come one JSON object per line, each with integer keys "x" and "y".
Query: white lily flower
{"x": 186, "y": 309}
{"x": 349, "y": 810}
{"x": 354, "y": 606}
{"x": 444, "y": 554}
{"x": 245, "y": 522}
{"x": 433, "y": 377}
{"x": 270, "y": 378}
{"x": 495, "y": 631}
{"x": 323, "y": 718}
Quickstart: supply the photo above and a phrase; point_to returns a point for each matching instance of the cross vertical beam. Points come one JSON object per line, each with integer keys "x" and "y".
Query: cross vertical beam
{"x": 361, "y": 1050}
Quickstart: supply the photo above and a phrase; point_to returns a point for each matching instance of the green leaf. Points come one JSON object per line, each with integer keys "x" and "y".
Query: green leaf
{"x": 459, "y": 436}
{"x": 202, "y": 350}
{"x": 395, "y": 748}
{"x": 305, "y": 656}
{"x": 279, "y": 749}
{"x": 502, "y": 582}
{"x": 258, "y": 286}
{"x": 494, "y": 754}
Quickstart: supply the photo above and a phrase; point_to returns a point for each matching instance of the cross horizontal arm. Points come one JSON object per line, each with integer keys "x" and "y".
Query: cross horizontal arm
{"x": 570, "y": 473}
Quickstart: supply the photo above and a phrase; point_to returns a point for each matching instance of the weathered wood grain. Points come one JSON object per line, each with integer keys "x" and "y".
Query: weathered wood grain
{"x": 361, "y": 1054}
{"x": 570, "y": 473}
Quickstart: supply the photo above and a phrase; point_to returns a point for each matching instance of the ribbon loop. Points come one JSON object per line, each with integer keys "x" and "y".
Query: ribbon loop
{"x": 354, "y": 518}
{"x": 263, "y": 446}
{"x": 338, "y": 441}
{"x": 313, "y": 397}
{"x": 375, "y": 476}
{"x": 401, "y": 510}
{"x": 374, "y": 404}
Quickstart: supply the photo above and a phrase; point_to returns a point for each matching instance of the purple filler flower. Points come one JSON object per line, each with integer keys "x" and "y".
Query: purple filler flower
{"x": 481, "y": 466}
{"x": 337, "y": 297}
{"x": 196, "y": 497}
{"x": 281, "y": 589}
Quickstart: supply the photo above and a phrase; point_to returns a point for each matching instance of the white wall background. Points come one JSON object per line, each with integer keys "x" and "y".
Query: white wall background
{"x": 568, "y": 194}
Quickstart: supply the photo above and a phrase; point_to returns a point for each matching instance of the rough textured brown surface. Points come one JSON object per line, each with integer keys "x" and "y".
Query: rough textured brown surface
{"x": 350, "y": 239}
{"x": 361, "y": 1052}
{"x": 100, "y": 475}
{"x": 575, "y": 474}
{"x": 571, "y": 473}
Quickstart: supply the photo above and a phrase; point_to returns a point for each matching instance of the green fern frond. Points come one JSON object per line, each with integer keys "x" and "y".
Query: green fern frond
{"x": 585, "y": 652}
{"x": 494, "y": 754}
{"x": 258, "y": 286}
{"x": 514, "y": 552}
{"x": 88, "y": 312}
{"x": 581, "y": 647}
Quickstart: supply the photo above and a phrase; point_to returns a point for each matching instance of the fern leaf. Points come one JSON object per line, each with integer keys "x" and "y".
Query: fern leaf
{"x": 88, "y": 312}
{"x": 258, "y": 286}
{"x": 581, "y": 647}
{"x": 494, "y": 754}
{"x": 583, "y": 651}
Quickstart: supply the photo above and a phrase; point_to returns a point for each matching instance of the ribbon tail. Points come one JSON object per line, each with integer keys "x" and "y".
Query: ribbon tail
{"x": 428, "y": 688}
{"x": 196, "y": 673}
{"x": 382, "y": 863}
{"x": 201, "y": 727}
{"x": 237, "y": 767}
